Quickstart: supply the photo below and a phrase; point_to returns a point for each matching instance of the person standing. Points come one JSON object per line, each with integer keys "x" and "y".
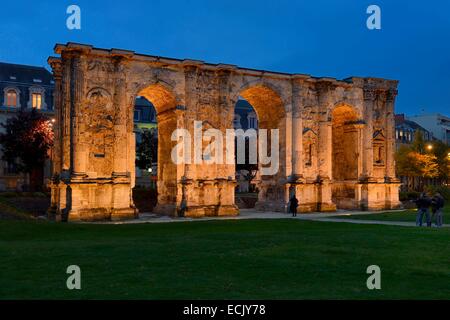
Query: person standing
{"x": 437, "y": 205}
{"x": 293, "y": 205}
{"x": 423, "y": 203}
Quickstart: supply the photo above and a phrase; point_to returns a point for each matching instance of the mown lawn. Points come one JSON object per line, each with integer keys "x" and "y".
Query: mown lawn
{"x": 234, "y": 259}
{"x": 407, "y": 215}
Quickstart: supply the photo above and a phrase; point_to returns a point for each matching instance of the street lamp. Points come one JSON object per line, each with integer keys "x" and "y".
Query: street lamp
{"x": 430, "y": 147}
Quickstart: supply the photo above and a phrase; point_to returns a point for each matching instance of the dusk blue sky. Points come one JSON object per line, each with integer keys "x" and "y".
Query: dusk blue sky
{"x": 317, "y": 37}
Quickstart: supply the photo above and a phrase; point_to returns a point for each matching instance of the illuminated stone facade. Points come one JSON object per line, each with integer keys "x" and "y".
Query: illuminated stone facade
{"x": 336, "y": 137}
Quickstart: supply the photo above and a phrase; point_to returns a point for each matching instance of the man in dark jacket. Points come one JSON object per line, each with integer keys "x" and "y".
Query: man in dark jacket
{"x": 437, "y": 205}
{"x": 423, "y": 203}
{"x": 293, "y": 204}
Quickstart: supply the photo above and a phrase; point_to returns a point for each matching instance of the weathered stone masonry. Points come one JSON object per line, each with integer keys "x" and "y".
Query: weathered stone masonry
{"x": 336, "y": 137}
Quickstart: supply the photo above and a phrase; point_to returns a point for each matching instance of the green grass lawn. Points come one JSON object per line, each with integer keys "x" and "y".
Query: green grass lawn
{"x": 231, "y": 259}
{"x": 407, "y": 215}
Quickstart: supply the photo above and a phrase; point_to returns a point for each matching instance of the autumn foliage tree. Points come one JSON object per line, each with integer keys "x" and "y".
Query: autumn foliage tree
{"x": 26, "y": 140}
{"x": 417, "y": 164}
{"x": 146, "y": 149}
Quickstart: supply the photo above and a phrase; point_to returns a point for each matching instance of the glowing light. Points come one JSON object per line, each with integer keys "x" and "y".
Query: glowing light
{"x": 430, "y": 147}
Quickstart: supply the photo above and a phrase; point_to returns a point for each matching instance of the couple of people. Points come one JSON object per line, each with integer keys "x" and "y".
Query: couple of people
{"x": 424, "y": 203}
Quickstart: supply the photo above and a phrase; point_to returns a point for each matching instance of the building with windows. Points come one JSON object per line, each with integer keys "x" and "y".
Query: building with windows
{"x": 23, "y": 87}
{"x": 436, "y": 123}
{"x": 406, "y": 129}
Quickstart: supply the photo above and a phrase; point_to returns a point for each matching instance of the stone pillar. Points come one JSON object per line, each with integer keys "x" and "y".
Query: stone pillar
{"x": 121, "y": 148}
{"x": 124, "y": 145}
{"x": 66, "y": 115}
{"x": 77, "y": 92}
{"x": 393, "y": 183}
{"x": 53, "y": 212}
{"x": 57, "y": 124}
{"x": 390, "y": 134}
{"x": 361, "y": 149}
{"x": 226, "y": 180}
{"x": 325, "y": 150}
{"x": 367, "y": 154}
{"x": 297, "y": 131}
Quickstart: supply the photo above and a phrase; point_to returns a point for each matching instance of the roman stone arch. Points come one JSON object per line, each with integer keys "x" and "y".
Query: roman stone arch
{"x": 94, "y": 150}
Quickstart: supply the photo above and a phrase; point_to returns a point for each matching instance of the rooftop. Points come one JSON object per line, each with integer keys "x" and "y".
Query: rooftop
{"x": 10, "y": 72}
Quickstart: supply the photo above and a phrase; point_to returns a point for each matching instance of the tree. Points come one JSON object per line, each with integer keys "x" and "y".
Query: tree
{"x": 441, "y": 152}
{"x": 26, "y": 141}
{"x": 146, "y": 150}
{"x": 418, "y": 144}
{"x": 415, "y": 164}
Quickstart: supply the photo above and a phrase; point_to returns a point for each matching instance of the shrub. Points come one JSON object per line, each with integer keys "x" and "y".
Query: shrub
{"x": 408, "y": 195}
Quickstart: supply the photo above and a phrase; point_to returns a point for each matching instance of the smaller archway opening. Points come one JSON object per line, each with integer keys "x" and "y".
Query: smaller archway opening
{"x": 345, "y": 156}
{"x": 345, "y": 143}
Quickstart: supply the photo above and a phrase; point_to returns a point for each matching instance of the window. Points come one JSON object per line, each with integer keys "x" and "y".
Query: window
{"x": 309, "y": 155}
{"x": 137, "y": 115}
{"x": 237, "y": 121}
{"x": 36, "y": 100}
{"x": 11, "y": 98}
{"x": 252, "y": 121}
{"x": 10, "y": 168}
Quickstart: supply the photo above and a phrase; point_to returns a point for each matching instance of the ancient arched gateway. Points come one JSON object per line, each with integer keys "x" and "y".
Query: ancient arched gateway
{"x": 336, "y": 138}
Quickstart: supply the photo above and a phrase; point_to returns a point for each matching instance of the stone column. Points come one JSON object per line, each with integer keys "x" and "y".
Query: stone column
{"x": 362, "y": 168}
{"x": 325, "y": 138}
{"x": 390, "y": 134}
{"x": 77, "y": 93}
{"x": 297, "y": 131}
{"x": 57, "y": 124}
{"x": 121, "y": 148}
{"x": 325, "y": 152}
{"x": 66, "y": 115}
{"x": 226, "y": 180}
{"x": 124, "y": 144}
{"x": 367, "y": 154}
{"x": 55, "y": 200}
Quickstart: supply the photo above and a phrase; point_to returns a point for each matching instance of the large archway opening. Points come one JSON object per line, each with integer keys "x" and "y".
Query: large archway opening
{"x": 345, "y": 155}
{"x": 156, "y": 177}
{"x": 260, "y": 108}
